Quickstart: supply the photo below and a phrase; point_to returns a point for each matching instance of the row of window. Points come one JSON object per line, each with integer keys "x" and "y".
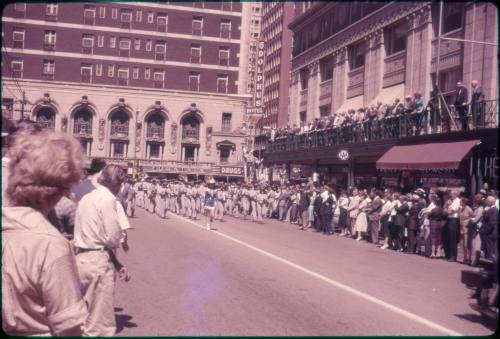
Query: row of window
{"x": 273, "y": 46}
{"x": 124, "y": 46}
{"x": 122, "y": 74}
{"x": 276, "y": 30}
{"x": 272, "y": 18}
{"x": 126, "y": 18}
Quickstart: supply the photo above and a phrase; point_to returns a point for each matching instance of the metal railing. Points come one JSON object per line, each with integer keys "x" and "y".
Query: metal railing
{"x": 483, "y": 115}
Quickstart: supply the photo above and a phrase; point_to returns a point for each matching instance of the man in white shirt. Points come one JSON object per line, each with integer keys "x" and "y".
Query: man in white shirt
{"x": 453, "y": 226}
{"x": 97, "y": 236}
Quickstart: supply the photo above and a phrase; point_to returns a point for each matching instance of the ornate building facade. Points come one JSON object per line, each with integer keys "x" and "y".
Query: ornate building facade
{"x": 350, "y": 55}
{"x": 150, "y": 85}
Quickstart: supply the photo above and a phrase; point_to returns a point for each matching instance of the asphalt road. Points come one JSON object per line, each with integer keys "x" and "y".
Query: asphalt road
{"x": 273, "y": 279}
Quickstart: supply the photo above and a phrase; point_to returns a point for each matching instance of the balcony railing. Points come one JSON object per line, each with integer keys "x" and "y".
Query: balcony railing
{"x": 483, "y": 115}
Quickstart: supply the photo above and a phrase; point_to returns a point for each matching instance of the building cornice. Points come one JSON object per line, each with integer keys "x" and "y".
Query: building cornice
{"x": 309, "y": 15}
{"x": 365, "y": 27}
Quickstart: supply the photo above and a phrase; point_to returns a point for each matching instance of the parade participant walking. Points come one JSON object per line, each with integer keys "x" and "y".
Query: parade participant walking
{"x": 210, "y": 197}
{"x": 41, "y": 292}
{"x": 90, "y": 183}
{"x": 97, "y": 236}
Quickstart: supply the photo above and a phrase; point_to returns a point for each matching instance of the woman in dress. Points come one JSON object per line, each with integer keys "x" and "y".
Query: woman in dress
{"x": 361, "y": 225}
{"x": 473, "y": 236}
{"x": 343, "y": 214}
{"x": 436, "y": 218}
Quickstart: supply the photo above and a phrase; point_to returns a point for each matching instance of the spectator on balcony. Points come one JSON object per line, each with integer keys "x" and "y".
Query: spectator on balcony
{"x": 419, "y": 110}
{"x": 477, "y": 105}
{"x": 372, "y": 120}
{"x": 397, "y": 108}
{"x": 461, "y": 101}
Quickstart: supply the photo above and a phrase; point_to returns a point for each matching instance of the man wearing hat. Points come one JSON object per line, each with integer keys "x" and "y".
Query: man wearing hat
{"x": 90, "y": 183}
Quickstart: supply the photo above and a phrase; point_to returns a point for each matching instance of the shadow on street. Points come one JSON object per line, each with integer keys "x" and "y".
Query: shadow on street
{"x": 475, "y": 318}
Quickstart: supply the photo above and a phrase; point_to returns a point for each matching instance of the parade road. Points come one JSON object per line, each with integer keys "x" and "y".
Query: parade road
{"x": 273, "y": 279}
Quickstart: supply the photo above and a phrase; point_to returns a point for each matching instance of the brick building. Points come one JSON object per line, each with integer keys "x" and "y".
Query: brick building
{"x": 278, "y": 53}
{"x": 152, "y": 84}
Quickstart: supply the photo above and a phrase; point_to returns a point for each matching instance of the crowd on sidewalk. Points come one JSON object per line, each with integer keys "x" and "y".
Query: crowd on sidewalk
{"x": 410, "y": 117}
{"x": 431, "y": 223}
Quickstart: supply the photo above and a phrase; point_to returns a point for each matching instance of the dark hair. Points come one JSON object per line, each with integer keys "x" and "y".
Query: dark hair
{"x": 21, "y": 127}
{"x": 96, "y": 166}
{"x": 112, "y": 176}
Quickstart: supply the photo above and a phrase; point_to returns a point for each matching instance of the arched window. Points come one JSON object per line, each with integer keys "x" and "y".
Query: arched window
{"x": 155, "y": 126}
{"x": 82, "y": 123}
{"x": 119, "y": 124}
{"x": 46, "y": 118}
{"x": 190, "y": 128}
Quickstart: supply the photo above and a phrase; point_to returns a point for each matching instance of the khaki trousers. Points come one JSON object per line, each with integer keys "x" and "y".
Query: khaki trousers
{"x": 97, "y": 276}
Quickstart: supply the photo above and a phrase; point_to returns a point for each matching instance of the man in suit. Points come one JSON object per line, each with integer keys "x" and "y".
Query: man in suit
{"x": 352, "y": 209}
{"x": 461, "y": 104}
{"x": 374, "y": 216}
{"x": 477, "y": 105}
{"x": 400, "y": 220}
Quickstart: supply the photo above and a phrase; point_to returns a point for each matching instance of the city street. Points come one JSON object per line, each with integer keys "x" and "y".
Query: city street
{"x": 273, "y": 279}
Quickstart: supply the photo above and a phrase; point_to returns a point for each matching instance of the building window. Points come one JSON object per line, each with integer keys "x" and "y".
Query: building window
{"x": 304, "y": 78}
{"x": 197, "y": 25}
{"x": 8, "y": 107}
{"x": 114, "y": 13}
{"x": 87, "y": 43}
{"x": 159, "y": 79}
{"x": 111, "y": 71}
{"x": 396, "y": 39}
{"x": 154, "y": 150}
{"x": 225, "y": 153}
{"x": 125, "y": 18}
{"x": 98, "y": 70}
{"x": 49, "y": 40}
{"x": 303, "y": 116}
{"x": 135, "y": 73}
{"x": 51, "y": 12}
{"x": 138, "y": 16}
{"x": 147, "y": 73}
{"x": 452, "y": 16}
{"x": 226, "y": 5}
{"x": 151, "y": 17}
{"x": 137, "y": 44}
{"x": 16, "y": 67}
{"x": 357, "y": 56}
{"x": 124, "y": 47}
{"x": 225, "y": 28}
{"x": 20, "y": 7}
{"x": 102, "y": 12}
{"x": 226, "y": 122}
{"x": 326, "y": 68}
{"x": 448, "y": 83}
{"x": 194, "y": 81}
{"x": 49, "y": 67}
{"x": 149, "y": 45}
{"x": 18, "y": 37}
{"x": 224, "y": 56}
{"x": 222, "y": 83}
{"x": 86, "y": 73}
{"x": 161, "y": 22}
{"x": 160, "y": 50}
{"x": 88, "y": 15}
{"x": 195, "y": 56}
{"x": 123, "y": 73}
{"x": 100, "y": 40}
{"x": 112, "y": 42}
{"x": 325, "y": 110}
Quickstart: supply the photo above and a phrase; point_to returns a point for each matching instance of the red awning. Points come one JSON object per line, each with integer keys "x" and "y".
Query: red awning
{"x": 427, "y": 156}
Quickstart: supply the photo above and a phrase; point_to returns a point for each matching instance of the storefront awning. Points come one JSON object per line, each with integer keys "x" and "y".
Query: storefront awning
{"x": 426, "y": 156}
{"x": 354, "y": 103}
{"x": 388, "y": 94}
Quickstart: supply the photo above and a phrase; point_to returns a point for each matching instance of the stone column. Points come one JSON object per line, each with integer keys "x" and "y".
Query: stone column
{"x": 419, "y": 53}
{"x": 183, "y": 154}
{"x": 313, "y": 90}
{"x": 340, "y": 78}
{"x": 294, "y": 98}
{"x": 88, "y": 148}
{"x": 373, "y": 66}
{"x": 196, "y": 154}
{"x": 112, "y": 153}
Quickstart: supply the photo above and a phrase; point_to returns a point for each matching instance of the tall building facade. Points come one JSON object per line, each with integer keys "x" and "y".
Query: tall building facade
{"x": 350, "y": 55}
{"x": 156, "y": 83}
{"x": 277, "y": 53}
